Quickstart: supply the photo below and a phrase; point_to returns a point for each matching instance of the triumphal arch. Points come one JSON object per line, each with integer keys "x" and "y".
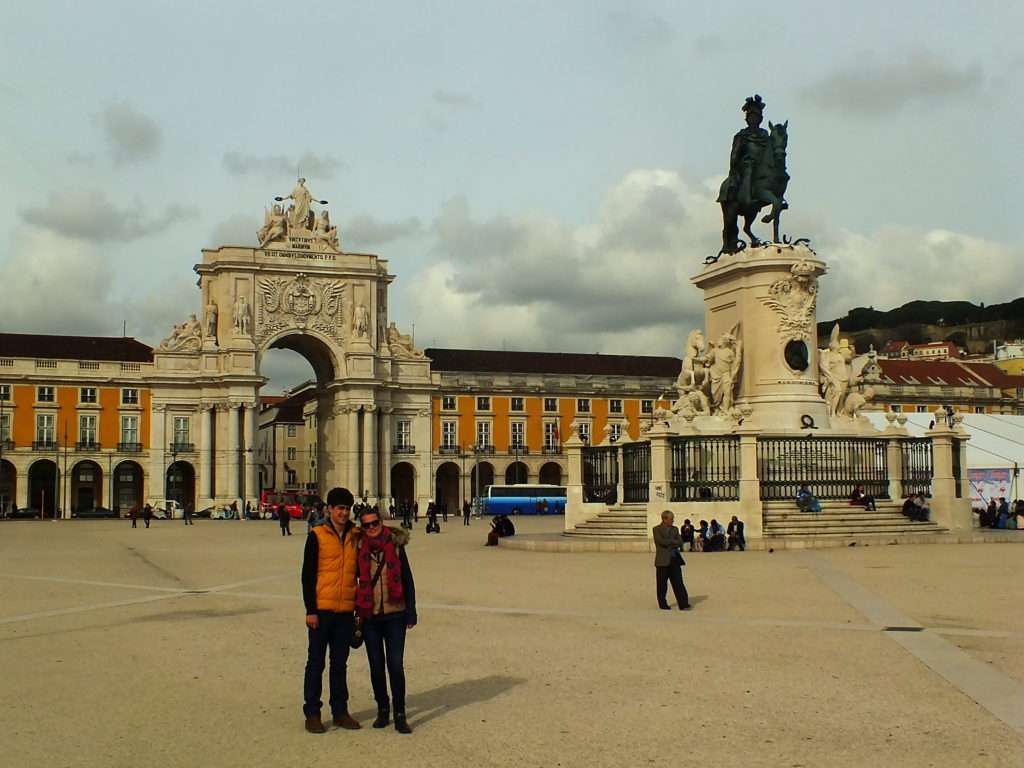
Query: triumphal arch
{"x": 296, "y": 289}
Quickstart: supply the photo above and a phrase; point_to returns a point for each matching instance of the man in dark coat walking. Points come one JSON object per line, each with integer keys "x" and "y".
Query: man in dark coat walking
{"x": 668, "y": 562}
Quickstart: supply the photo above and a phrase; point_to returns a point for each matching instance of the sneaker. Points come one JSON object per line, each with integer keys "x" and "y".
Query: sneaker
{"x": 315, "y": 725}
{"x": 383, "y": 718}
{"x": 347, "y": 722}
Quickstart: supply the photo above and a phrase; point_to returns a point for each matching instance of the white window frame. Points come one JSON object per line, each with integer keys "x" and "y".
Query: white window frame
{"x": 88, "y": 434}
{"x": 582, "y": 405}
{"x": 979, "y": 409}
{"x": 484, "y": 433}
{"x": 615, "y": 432}
{"x": 615, "y": 406}
{"x": 130, "y": 427}
{"x": 448, "y": 403}
{"x": 449, "y": 433}
{"x": 6, "y": 426}
{"x": 517, "y": 441}
{"x": 584, "y": 427}
{"x": 130, "y": 396}
{"x": 177, "y": 430}
{"x": 5, "y": 392}
{"x": 50, "y": 392}
{"x": 403, "y": 433}
{"x": 291, "y": 430}
{"x": 551, "y": 400}
{"x": 486, "y": 400}
{"x": 646, "y": 407}
{"x": 551, "y": 436}
{"x": 84, "y": 394}
{"x": 512, "y": 404}
{"x": 292, "y": 453}
{"x": 46, "y": 428}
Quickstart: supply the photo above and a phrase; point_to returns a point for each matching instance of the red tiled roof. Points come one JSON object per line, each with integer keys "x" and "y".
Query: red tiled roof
{"x": 491, "y": 361}
{"x": 993, "y": 374}
{"x": 931, "y": 373}
{"x": 49, "y": 347}
{"x": 289, "y": 408}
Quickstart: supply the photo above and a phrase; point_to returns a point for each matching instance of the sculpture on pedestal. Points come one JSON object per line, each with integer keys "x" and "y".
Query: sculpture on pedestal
{"x": 299, "y": 214}
{"x": 324, "y": 232}
{"x": 211, "y": 321}
{"x": 401, "y": 343}
{"x": 241, "y": 316}
{"x": 723, "y": 364}
{"x": 299, "y": 227}
{"x": 274, "y": 226}
{"x": 709, "y": 378}
{"x": 836, "y": 367}
{"x": 757, "y": 177}
{"x": 361, "y": 321}
{"x": 186, "y": 337}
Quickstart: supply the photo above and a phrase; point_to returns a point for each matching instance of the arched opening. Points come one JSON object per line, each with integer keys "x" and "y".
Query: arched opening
{"x": 291, "y": 448}
{"x": 550, "y": 474}
{"x": 8, "y": 486}
{"x": 403, "y": 483}
{"x": 42, "y": 486}
{"x": 446, "y": 489}
{"x": 128, "y": 492}
{"x": 481, "y": 476}
{"x": 86, "y": 486}
{"x": 516, "y": 473}
{"x": 181, "y": 484}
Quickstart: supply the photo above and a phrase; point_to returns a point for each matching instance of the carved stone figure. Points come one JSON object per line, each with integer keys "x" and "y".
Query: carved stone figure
{"x": 855, "y": 402}
{"x": 299, "y": 213}
{"x": 241, "y": 316}
{"x": 401, "y": 344}
{"x": 324, "y": 232}
{"x": 723, "y": 364}
{"x": 186, "y": 337}
{"x": 211, "y": 321}
{"x": 299, "y": 302}
{"x": 692, "y": 385}
{"x": 834, "y": 365}
{"x": 361, "y": 321}
{"x": 274, "y": 226}
{"x": 793, "y": 300}
{"x": 757, "y": 177}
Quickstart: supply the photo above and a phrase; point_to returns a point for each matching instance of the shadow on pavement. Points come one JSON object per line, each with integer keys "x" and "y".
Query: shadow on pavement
{"x": 423, "y": 707}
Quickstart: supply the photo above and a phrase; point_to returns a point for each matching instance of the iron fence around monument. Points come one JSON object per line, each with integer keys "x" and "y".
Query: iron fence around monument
{"x": 957, "y": 468}
{"x": 636, "y": 472}
{"x": 705, "y": 468}
{"x": 831, "y": 467}
{"x": 918, "y": 467}
{"x": 600, "y": 474}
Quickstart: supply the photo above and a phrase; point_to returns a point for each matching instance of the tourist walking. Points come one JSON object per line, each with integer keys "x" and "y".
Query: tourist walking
{"x": 386, "y": 603}
{"x": 133, "y": 513}
{"x": 284, "y": 519}
{"x": 186, "y": 513}
{"x": 329, "y": 594}
{"x": 466, "y": 509}
{"x": 147, "y": 514}
{"x": 668, "y": 562}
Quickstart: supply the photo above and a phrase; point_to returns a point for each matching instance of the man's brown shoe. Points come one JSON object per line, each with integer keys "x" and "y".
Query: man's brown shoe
{"x": 315, "y": 725}
{"x": 347, "y": 722}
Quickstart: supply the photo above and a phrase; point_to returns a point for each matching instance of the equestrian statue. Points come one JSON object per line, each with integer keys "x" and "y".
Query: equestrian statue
{"x": 757, "y": 178}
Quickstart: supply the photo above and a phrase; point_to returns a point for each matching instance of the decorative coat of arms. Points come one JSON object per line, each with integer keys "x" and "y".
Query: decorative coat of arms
{"x": 300, "y": 302}
{"x": 793, "y": 300}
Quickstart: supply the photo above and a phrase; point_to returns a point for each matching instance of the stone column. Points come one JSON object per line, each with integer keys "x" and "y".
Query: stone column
{"x": 620, "y": 473}
{"x": 369, "y": 453}
{"x": 660, "y": 490}
{"x": 574, "y": 510}
{"x": 352, "y": 457}
{"x": 252, "y": 490}
{"x": 158, "y": 451}
{"x": 752, "y": 511}
{"x": 894, "y": 461}
{"x": 21, "y": 492}
{"x": 387, "y": 442}
{"x": 205, "y": 455}
{"x": 948, "y": 510}
{"x": 234, "y": 444}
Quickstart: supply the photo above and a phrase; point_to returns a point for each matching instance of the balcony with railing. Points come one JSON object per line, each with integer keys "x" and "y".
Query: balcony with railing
{"x": 129, "y": 447}
{"x": 44, "y": 445}
{"x": 87, "y": 445}
{"x": 403, "y": 448}
{"x": 487, "y": 449}
{"x": 181, "y": 447}
{"x": 551, "y": 450}
{"x": 7, "y": 444}
{"x": 448, "y": 450}
{"x": 518, "y": 450}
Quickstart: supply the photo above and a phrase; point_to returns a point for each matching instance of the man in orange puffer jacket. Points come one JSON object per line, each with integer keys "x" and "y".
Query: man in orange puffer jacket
{"x": 329, "y": 569}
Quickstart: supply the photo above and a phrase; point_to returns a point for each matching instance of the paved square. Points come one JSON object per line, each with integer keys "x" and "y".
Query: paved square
{"x": 185, "y": 646}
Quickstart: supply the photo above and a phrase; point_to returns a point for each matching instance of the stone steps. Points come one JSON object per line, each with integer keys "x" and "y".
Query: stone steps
{"x": 627, "y": 521}
{"x": 839, "y": 519}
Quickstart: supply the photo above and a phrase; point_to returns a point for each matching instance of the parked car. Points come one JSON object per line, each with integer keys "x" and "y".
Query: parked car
{"x": 167, "y": 509}
{"x": 97, "y": 512}
{"x": 25, "y": 513}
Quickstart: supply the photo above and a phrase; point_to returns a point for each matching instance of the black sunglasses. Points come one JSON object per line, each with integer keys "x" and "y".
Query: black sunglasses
{"x": 371, "y": 523}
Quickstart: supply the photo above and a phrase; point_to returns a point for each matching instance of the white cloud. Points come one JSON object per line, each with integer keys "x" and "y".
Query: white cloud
{"x": 309, "y": 165}
{"x": 133, "y": 136}
{"x": 364, "y": 230}
{"x": 87, "y": 214}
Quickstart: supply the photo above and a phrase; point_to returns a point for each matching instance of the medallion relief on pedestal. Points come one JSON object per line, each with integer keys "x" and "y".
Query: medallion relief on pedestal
{"x": 793, "y": 300}
{"x": 300, "y": 302}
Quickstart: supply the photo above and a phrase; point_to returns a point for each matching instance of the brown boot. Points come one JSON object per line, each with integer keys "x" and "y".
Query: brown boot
{"x": 347, "y": 722}
{"x": 315, "y": 725}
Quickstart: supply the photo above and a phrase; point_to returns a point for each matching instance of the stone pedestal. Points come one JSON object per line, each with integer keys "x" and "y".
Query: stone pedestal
{"x": 949, "y": 510}
{"x": 770, "y": 293}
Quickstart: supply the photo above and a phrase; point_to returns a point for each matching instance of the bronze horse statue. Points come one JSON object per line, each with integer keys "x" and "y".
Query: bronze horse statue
{"x": 768, "y": 180}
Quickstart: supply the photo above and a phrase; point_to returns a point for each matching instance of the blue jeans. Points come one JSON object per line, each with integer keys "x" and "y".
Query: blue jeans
{"x": 385, "y": 648}
{"x": 334, "y": 633}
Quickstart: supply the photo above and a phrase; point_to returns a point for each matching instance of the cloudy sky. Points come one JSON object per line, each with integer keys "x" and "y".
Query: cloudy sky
{"x": 541, "y": 175}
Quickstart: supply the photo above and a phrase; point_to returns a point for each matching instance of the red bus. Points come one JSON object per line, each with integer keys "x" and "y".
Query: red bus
{"x": 296, "y": 503}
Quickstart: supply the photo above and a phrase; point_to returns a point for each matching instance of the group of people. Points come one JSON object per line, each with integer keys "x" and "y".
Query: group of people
{"x": 501, "y": 527}
{"x": 916, "y": 508}
{"x": 712, "y": 537}
{"x": 806, "y": 501}
{"x": 357, "y": 587}
{"x": 999, "y": 514}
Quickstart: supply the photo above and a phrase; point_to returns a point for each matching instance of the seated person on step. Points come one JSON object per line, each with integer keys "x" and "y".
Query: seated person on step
{"x": 715, "y": 538}
{"x": 861, "y": 499}
{"x": 807, "y": 501}
{"x": 688, "y": 533}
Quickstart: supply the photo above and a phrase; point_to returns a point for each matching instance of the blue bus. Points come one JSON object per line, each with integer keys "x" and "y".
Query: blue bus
{"x": 524, "y": 500}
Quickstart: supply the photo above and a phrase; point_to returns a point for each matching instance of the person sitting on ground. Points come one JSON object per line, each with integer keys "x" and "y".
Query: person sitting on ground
{"x": 505, "y": 527}
{"x": 910, "y": 507}
{"x": 716, "y": 537}
{"x": 702, "y": 536}
{"x": 1003, "y": 514}
{"x": 859, "y": 498}
{"x": 735, "y": 535}
{"x": 807, "y": 501}
{"x": 923, "y": 510}
{"x": 493, "y": 535}
{"x": 687, "y": 533}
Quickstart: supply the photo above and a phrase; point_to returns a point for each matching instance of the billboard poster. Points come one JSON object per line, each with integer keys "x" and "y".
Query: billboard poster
{"x": 988, "y": 484}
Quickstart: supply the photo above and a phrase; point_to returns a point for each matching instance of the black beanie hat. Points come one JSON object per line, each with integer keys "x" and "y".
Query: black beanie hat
{"x": 340, "y": 497}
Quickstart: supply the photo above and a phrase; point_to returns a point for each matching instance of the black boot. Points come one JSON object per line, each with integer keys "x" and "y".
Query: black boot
{"x": 383, "y": 717}
{"x": 401, "y": 725}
